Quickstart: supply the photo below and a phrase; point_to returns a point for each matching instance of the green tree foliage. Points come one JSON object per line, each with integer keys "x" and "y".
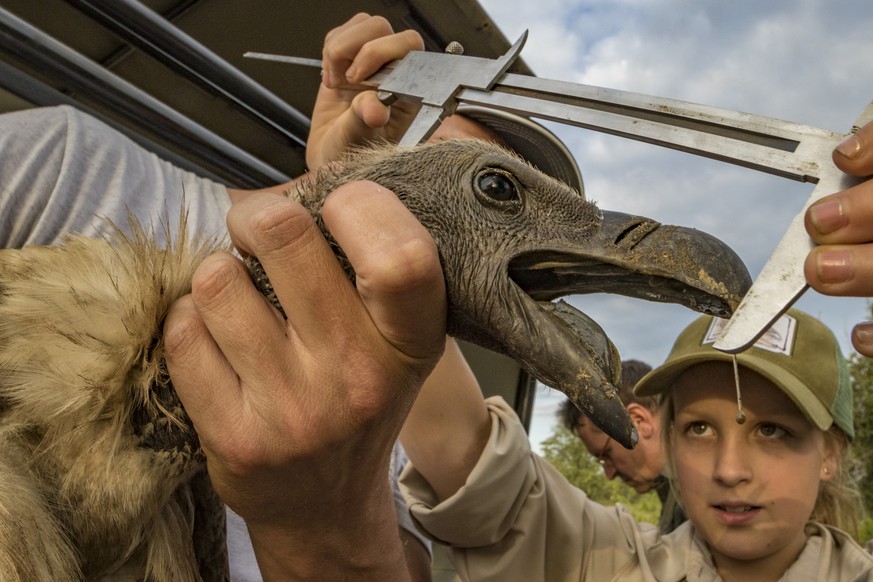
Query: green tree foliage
{"x": 861, "y": 370}
{"x": 568, "y": 455}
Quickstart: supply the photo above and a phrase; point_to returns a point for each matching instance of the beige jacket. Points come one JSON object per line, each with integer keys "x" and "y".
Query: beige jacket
{"x": 518, "y": 519}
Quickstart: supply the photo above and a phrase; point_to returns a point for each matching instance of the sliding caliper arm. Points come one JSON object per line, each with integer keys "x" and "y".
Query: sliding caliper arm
{"x": 438, "y": 82}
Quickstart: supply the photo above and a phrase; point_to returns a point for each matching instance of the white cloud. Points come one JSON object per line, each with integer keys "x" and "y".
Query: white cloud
{"x": 806, "y": 61}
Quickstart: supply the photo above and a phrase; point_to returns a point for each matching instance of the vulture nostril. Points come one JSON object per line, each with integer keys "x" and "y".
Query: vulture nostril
{"x": 623, "y": 234}
{"x": 636, "y": 232}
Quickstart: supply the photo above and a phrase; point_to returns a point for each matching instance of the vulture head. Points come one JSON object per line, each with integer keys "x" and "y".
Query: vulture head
{"x": 511, "y": 240}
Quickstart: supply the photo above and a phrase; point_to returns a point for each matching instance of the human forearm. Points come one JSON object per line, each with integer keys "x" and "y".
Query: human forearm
{"x": 366, "y": 547}
{"x": 448, "y": 425}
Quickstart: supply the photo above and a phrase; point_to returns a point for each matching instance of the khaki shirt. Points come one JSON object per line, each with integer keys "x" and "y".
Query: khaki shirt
{"x": 518, "y": 519}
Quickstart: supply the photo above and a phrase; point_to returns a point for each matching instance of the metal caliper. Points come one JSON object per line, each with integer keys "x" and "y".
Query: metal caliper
{"x": 439, "y": 82}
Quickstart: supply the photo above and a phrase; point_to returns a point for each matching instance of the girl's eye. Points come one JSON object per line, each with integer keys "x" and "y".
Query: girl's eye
{"x": 698, "y": 428}
{"x": 772, "y": 431}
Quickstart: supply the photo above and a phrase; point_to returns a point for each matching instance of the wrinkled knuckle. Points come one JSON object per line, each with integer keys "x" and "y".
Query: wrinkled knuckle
{"x": 412, "y": 265}
{"x": 354, "y": 20}
{"x": 329, "y": 52}
{"x": 215, "y": 278}
{"x": 181, "y": 328}
{"x": 381, "y": 24}
{"x": 278, "y": 225}
{"x": 413, "y": 39}
{"x": 369, "y": 53}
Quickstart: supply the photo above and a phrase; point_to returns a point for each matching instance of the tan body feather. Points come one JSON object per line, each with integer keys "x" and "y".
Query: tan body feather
{"x": 79, "y": 355}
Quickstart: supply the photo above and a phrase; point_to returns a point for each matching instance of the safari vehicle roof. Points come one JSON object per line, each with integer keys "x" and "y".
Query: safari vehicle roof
{"x": 171, "y": 74}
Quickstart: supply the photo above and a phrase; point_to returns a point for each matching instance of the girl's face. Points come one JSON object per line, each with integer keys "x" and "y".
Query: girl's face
{"x": 748, "y": 488}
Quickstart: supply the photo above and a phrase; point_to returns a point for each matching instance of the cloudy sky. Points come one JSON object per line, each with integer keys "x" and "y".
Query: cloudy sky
{"x": 807, "y": 61}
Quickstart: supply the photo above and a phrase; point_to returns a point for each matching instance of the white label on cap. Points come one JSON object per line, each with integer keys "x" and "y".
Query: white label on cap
{"x": 778, "y": 339}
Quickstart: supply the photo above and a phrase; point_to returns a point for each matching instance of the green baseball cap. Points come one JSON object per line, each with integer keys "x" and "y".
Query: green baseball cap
{"x": 798, "y": 353}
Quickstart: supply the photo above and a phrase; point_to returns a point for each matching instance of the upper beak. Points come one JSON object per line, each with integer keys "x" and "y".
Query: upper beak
{"x": 627, "y": 255}
{"x": 639, "y": 257}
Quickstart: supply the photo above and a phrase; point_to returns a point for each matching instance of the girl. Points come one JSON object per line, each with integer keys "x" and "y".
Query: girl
{"x": 759, "y": 470}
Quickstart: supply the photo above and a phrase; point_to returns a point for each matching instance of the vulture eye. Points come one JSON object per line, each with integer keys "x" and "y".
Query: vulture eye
{"x": 497, "y": 186}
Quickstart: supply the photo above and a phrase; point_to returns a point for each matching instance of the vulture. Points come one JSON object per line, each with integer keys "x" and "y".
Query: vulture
{"x": 101, "y": 474}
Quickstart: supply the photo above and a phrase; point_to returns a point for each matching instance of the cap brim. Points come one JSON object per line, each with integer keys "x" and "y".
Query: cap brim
{"x": 530, "y": 140}
{"x": 660, "y": 380}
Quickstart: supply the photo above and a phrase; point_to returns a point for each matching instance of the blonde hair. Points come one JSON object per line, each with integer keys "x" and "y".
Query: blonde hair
{"x": 839, "y": 500}
{"x": 838, "y": 503}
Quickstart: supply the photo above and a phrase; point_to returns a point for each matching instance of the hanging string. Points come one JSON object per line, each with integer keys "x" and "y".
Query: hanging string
{"x": 741, "y": 416}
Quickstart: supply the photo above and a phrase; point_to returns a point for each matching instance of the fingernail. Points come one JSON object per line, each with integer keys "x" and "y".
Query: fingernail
{"x": 827, "y": 216}
{"x": 862, "y": 335}
{"x": 351, "y": 74}
{"x": 835, "y": 266}
{"x": 850, "y": 148}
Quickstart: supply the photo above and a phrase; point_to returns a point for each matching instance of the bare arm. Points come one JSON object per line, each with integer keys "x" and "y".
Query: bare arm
{"x": 448, "y": 425}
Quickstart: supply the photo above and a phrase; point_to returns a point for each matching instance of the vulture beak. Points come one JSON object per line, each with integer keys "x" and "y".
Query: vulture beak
{"x": 626, "y": 255}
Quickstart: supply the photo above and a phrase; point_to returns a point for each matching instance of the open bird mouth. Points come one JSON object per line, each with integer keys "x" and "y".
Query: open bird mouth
{"x": 641, "y": 258}
{"x": 545, "y": 276}
{"x": 630, "y": 256}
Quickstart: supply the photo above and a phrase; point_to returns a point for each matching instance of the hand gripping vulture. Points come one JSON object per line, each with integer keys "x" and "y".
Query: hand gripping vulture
{"x": 101, "y": 474}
